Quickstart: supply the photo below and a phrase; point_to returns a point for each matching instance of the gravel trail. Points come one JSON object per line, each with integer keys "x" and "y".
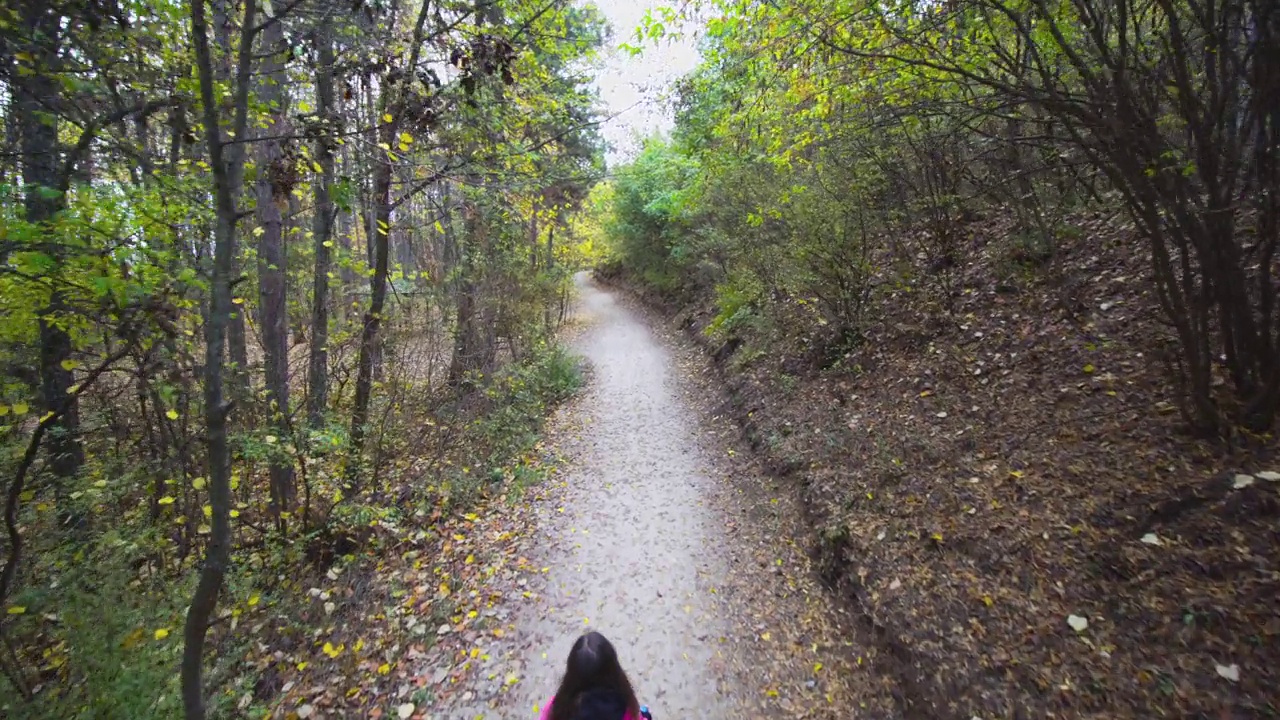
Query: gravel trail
{"x": 659, "y": 531}
{"x": 634, "y": 550}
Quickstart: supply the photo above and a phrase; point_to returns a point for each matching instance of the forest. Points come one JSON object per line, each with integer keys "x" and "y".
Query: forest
{"x": 990, "y": 286}
{"x": 280, "y": 283}
{"x": 993, "y": 283}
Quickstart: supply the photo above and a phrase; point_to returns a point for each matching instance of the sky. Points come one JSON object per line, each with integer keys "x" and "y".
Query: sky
{"x": 634, "y": 88}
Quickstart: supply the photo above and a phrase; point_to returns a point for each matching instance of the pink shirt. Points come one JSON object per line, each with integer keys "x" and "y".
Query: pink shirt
{"x": 546, "y": 712}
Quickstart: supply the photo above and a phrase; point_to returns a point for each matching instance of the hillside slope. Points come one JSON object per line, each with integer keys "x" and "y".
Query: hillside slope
{"x": 997, "y": 482}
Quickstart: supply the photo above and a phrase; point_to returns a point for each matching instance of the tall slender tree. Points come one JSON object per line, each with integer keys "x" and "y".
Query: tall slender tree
{"x": 226, "y": 162}
{"x": 277, "y": 173}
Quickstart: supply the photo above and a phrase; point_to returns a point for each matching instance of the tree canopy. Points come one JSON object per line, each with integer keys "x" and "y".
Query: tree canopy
{"x": 252, "y": 256}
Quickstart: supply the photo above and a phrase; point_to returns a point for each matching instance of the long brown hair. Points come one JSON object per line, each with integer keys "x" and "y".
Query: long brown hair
{"x": 594, "y": 685}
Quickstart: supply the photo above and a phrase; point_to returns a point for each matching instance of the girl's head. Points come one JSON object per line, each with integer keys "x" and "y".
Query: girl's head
{"x": 594, "y": 686}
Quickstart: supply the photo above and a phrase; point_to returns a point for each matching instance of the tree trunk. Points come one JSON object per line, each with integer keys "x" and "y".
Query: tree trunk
{"x": 473, "y": 346}
{"x": 41, "y": 156}
{"x": 226, "y": 180}
{"x": 237, "y": 333}
{"x": 388, "y": 105}
{"x": 533, "y": 238}
{"x": 548, "y": 324}
{"x": 276, "y": 175}
{"x": 318, "y": 358}
{"x": 348, "y": 230}
{"x": 381, "y": 229}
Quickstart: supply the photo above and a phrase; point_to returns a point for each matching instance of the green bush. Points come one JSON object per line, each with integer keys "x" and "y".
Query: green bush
{"x": 735, "y": 302}
{"x": 112, "y": 645}
{"x": 517, "y": 402}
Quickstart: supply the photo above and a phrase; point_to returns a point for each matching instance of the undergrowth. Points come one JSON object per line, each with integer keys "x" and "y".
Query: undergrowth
{"x": 97, "y": 626}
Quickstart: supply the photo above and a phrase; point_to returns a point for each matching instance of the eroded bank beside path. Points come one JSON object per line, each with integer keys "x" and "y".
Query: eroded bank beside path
{"x": 658, "y": 532}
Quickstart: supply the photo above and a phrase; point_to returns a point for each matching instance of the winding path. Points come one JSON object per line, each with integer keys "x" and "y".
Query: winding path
{"x": 661, "y": 535}
{"x": 635, "y": 548}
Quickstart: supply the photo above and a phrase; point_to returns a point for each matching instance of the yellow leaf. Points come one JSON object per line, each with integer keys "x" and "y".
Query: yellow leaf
{"x": 937, "y": 536}
{"x": 987, "y": 599}
{"x": 253, "y": 599}
{"x": 1088, "y": 369}
{"x": 4, "y": 410}
{"x": 208, "y": 511}
{"x": 237, "y": 301}
{"x": 327, "y": 243}
{"x": 444, "y": 589}
{"x": 166, "y": 500}
{"x": 172, "y": 414}
{"x": 235, "y": 513}
{"x": 257, "y": 232}
{"x": 302, "y": 666}
{"x": 358, "y": 646}
{"x": 384, "y": 669}
{"x": 20, "y": 408}
{"x": 16, "y": 610}
{"x": 387, "y": 117}
{"x": 771, "y": 693}
{"x": 198, "y": 483}
{"x": 316, "y": 166}
{"x": 817, "y": 667}
{"x": 406, "y": 138}
{"x": 69, "y": 364}
{"x": 470, "y": 559}
{"x": 459, "y": 537}
{"x": 162, "y": 633}
{"x": 926, "y": 393}
{"x": 765, "y": 636}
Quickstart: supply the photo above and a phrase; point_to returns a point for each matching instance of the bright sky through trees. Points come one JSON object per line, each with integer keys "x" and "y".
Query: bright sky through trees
{"x": 636, "y": 86}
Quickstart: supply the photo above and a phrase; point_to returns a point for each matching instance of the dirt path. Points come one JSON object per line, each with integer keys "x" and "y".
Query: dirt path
{"x": 714, "y": 613}
{"x": 633, "y": 550}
